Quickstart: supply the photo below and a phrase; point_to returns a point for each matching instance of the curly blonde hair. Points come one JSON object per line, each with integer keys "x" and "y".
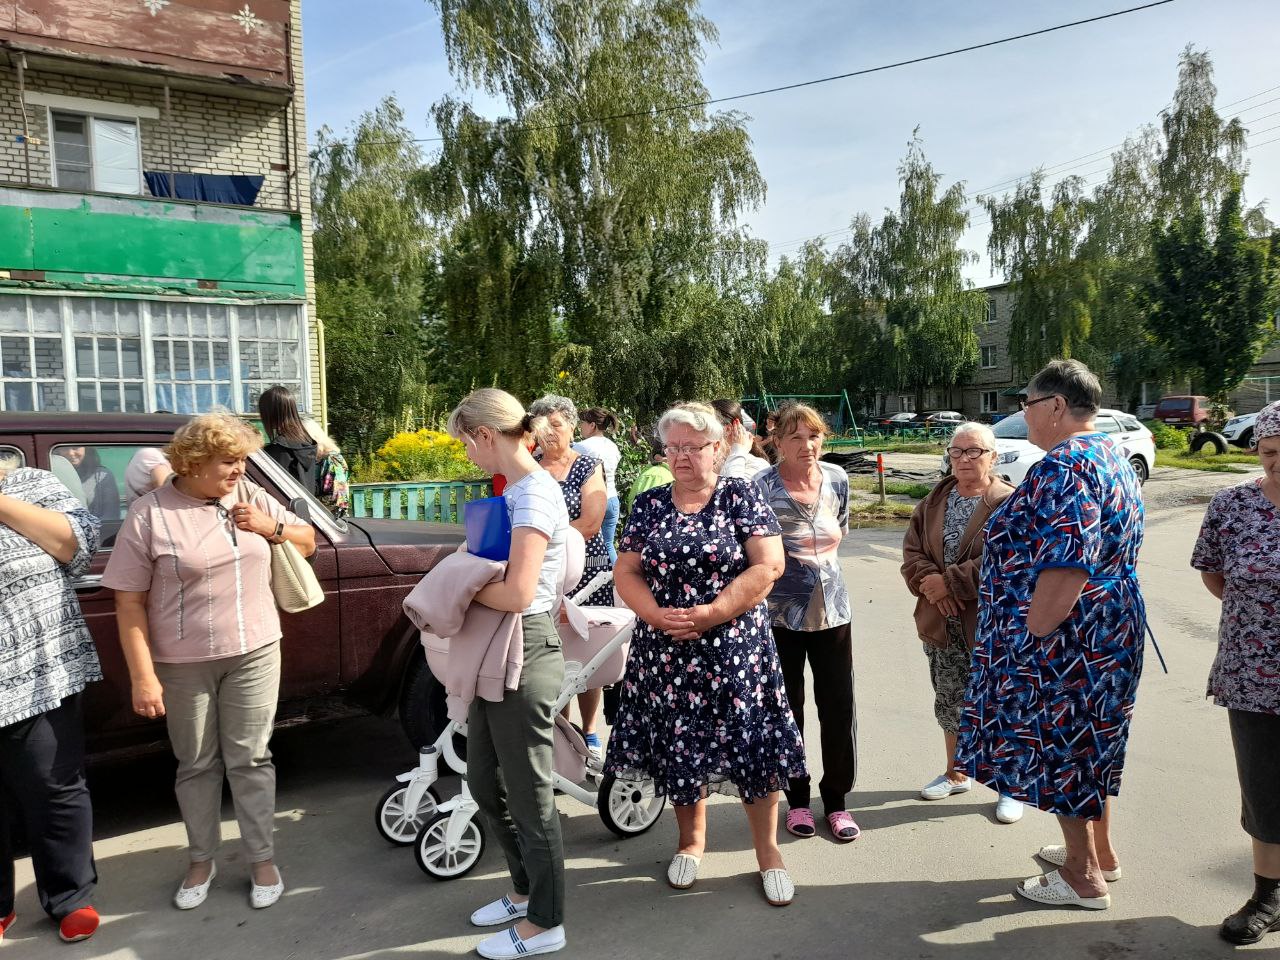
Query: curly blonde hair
{"x": 207, "y": 437}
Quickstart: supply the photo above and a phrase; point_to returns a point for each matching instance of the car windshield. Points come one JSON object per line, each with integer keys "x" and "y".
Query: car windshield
{"x": 1011, "y": 428}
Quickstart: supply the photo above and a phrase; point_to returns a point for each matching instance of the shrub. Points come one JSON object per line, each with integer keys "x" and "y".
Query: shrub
{"x": 1167, "y": 437}
{"x": 422, "y": 455}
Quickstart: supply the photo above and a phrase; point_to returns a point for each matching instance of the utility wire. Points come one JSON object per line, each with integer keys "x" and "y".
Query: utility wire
{"x": 676, "y": 108}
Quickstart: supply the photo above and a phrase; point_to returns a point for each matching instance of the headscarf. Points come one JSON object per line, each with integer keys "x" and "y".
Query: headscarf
{"x": 1268, "y": 423}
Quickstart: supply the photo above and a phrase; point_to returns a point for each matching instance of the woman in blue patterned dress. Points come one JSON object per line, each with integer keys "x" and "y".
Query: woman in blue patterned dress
{"x": 703, "y": 704}
{"x": 1060, "y": 629}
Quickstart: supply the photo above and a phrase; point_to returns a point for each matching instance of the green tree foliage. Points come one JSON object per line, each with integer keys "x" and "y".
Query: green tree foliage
{"x": 372, "y": 243}
{"x": 795, "y": 333}
{"x": 1212, "y": 299}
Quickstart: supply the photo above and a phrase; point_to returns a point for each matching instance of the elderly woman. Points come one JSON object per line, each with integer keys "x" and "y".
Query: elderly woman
{"x": 1059, "y": 640}
{"x": 1238, "y": 554}
{"x": 581, "y": 480}
{"x": 703, "y": 702}
{"x": 47, "y": 658}
{"x": 809, "y": 610}
{"x": 941, "y": 554}
{"x": 596, "y": 425}
{"x": 200, "y": 631}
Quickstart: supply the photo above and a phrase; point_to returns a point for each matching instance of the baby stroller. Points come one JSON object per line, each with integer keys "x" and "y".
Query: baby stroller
{"x": 448, "y": 837}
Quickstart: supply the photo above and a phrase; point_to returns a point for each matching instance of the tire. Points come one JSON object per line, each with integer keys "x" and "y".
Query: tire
{"x": 396, "y": 824}
{"x": 1140, "y": 468}
{"x": 1245, "y": 440}
{"x": 441, "y": 864}
{"x": 423, "y": 713}
{"x": 1207, "y": 438}
{"x": 628, "y": 807}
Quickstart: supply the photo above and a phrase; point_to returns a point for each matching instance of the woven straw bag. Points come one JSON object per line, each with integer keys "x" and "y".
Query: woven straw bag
{"x": 293, "y": 583}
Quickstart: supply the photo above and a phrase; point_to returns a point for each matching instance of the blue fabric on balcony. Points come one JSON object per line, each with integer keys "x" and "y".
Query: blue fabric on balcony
{"x": 239, "y": 189}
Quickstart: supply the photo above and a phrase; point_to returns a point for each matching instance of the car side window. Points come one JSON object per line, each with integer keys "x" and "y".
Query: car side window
{"x": 1130, "y": 423}
{"x": 1107, "y": 424}
{"x": 99, "y": 475}
{"x": 11, "y": 458}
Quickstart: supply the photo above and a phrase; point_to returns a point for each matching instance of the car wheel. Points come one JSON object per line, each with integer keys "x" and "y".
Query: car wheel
{"x": 1209, "y": 439}
{"x": 1140, "y": 468}
{"x": 423, "y": 713}
{"x": 1245, "y": 440}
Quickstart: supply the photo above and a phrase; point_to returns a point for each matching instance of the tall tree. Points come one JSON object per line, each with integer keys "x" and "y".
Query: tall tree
{"x": 372, "y": 243}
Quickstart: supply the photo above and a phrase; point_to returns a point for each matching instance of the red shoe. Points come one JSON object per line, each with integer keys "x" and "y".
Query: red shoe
{"x": 6, "y": 923}
{"x": 78, "y": 925}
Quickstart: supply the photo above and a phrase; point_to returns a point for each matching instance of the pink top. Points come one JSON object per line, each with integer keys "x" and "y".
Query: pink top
{"x": 208, "y": 592}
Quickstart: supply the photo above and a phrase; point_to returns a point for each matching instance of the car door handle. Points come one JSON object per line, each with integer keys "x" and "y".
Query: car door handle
{"x": 88, "y": 582}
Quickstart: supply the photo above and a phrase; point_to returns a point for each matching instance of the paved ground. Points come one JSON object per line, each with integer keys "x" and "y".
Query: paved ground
{"x": 925, "y": 881}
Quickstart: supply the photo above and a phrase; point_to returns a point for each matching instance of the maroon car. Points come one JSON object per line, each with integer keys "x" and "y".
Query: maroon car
{"x": 357, "y": 648}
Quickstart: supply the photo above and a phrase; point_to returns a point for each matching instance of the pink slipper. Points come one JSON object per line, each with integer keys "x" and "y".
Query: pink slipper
{"x": 842, "y": 826}
{"x": 800, "y": 823}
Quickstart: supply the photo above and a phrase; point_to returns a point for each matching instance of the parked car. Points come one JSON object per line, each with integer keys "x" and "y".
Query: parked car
{"x": 895, "y": 422}
{"x": 1239, "y": 430}
{"x": 941, "y": 418}
{"x": 1016, "y": 454}
{"x": 1183, "y": 411}
{"x": 356, "y": 648}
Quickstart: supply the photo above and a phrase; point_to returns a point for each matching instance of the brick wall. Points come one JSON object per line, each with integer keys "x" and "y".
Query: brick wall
{"x": 208, "y": 134}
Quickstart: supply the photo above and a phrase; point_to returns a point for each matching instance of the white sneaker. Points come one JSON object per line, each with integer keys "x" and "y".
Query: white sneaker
{"x": 262, "y": 896}
{"x": 500, "y": 911}
{"x": 507, "y": 944}
{"x": 188, "y": 898}
{"x": 944, "y": 786}
{"x": 1008, "y": 810}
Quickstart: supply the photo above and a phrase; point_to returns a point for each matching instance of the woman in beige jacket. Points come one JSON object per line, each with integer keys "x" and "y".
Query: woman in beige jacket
{"x": 941, "y": 554}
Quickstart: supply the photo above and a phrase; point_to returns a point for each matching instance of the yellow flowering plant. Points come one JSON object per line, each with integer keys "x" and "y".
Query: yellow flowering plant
{"x": 424, "y": 455}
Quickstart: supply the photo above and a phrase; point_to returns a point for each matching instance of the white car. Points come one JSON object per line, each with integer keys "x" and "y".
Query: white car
{"x": 1016, "y": 454}
{"x": 1239, "y": 430}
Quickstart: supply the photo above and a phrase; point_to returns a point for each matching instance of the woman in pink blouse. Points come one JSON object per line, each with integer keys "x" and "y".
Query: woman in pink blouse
{"x": 191, "y": 568}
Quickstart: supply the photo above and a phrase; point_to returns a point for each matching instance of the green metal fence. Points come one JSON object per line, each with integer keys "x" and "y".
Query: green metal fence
{"x": 430, "y": 502}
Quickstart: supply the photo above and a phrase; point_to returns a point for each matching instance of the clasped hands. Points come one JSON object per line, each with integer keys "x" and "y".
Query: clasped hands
{"x": 933, "y": 587}
{"x": 685, "y": 623}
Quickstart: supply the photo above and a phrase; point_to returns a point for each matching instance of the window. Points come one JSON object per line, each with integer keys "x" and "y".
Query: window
{"x": 11, "y": 458}
{"x": 907, "y": 404}
{"x": 96, "y": 153}
{"x": 270, "y": 351}
{"x": 1107, "y": 424}
{"x": 1130, "y": 423}
{"x": 108, "y": 355}
{"x": 991, "y": 309}
{"x": 990, "y": 401}
{"x": 988, "y": 356}
{"x": 1044, "y": 332}
{"x": 95, "y": 475}
{"x": 191, "y": 356}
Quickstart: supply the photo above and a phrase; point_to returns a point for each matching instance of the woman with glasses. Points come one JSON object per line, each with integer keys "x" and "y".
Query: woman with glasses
{"x": 1059, "y": 645}
{"x": 941, "y": 554}
{"x": 703, "y": 705}
{"x": 191, "y": 569}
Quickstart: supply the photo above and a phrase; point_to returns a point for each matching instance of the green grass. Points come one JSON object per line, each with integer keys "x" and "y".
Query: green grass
{"x": 897, "y": 488}
{"x": 1208, "y": 462}
{"x": 863, "y": 512}
{"x": 928, "y": 448}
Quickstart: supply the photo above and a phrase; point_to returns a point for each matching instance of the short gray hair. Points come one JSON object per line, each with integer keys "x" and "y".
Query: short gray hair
{"x": 699, "y": 417}
{"x": 1071, "y": 380}
{"x": 980, "y": 430}
{"x": 554, "y": 403}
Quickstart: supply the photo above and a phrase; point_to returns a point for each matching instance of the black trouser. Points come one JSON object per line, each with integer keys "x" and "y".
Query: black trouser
{"x": 830, "y": 656}
{"x": 42, "y": 779}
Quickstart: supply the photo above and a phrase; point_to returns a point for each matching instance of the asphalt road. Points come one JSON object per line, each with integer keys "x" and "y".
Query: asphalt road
{"x": 926, "y": 880}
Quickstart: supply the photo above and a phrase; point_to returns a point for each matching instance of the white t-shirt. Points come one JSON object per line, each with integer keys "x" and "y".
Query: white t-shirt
{"x": 535, "y": 501}
{"x": 137, "y": 475}
{"x": 742, "y": 463}
{"x": 606, "y": 451}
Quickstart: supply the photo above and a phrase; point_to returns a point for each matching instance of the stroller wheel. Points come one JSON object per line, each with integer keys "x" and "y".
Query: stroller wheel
{"x": 629, "y": 807}
{"x": 398, "y": 825}
{"x": 434, "y": 855}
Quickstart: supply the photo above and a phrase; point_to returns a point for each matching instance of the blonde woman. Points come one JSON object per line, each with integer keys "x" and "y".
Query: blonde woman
{"x": 509, "y": 743}
{"x": 191, "y": 568}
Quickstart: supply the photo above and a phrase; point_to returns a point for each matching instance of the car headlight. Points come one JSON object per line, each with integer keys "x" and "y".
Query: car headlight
{"x": 1008, "y": 457}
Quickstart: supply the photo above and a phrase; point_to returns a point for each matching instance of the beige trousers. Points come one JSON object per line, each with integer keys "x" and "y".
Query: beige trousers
{"x": 220, "y": 713}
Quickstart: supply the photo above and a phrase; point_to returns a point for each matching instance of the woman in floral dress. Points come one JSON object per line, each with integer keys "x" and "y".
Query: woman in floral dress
{"x": 703, "y": 705}
{"x": 1238, "y": 556}
{"x": 1055, "y": 669}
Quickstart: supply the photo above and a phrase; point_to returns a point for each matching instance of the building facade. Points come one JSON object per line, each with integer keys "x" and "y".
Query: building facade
{"x": 155, "y": 222}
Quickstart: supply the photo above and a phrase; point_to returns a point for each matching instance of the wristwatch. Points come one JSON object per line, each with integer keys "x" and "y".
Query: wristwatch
{"x": 278, "y": 536}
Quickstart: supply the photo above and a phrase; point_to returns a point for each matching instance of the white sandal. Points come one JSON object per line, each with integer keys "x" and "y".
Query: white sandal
{"x": 1058, "y": 893}
{"x": 1056, "y": 854}
{"x": 778, "y": 888}
{"x": 683, "y": 871}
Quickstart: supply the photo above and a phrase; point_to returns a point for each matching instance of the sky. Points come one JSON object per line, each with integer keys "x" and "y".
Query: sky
{"x": 830, "y": 151}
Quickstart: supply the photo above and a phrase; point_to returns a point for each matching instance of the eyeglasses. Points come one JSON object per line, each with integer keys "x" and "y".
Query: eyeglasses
{"x": 1025, "y": 404}
{"x": 688, "y": 449}
{"x": 965, "y": 453}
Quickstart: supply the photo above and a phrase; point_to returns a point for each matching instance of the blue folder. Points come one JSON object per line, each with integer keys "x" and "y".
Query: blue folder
{"x": 488, "y": 527}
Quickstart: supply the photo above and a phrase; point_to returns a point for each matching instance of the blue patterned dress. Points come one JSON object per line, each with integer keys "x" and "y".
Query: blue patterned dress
{"x": 701, "y": 715}
{"x": 1046, "y": 719}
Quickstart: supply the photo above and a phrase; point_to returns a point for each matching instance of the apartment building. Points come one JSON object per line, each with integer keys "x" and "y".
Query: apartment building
{"x": 155, "y": 223}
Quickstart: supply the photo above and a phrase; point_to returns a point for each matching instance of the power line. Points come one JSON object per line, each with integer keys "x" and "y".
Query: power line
{"x": 676, "y": 108}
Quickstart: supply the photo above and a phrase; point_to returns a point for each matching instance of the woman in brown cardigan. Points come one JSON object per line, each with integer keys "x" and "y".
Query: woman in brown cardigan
{"x": 941, "y": 554}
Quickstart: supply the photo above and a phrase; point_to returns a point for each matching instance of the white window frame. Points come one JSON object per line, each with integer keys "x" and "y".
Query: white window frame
{"x": 992, "y": 405}
{"x": 89, "y": 117}
{"x": 995, "y": 356}
{"x": 991, "y": 310}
